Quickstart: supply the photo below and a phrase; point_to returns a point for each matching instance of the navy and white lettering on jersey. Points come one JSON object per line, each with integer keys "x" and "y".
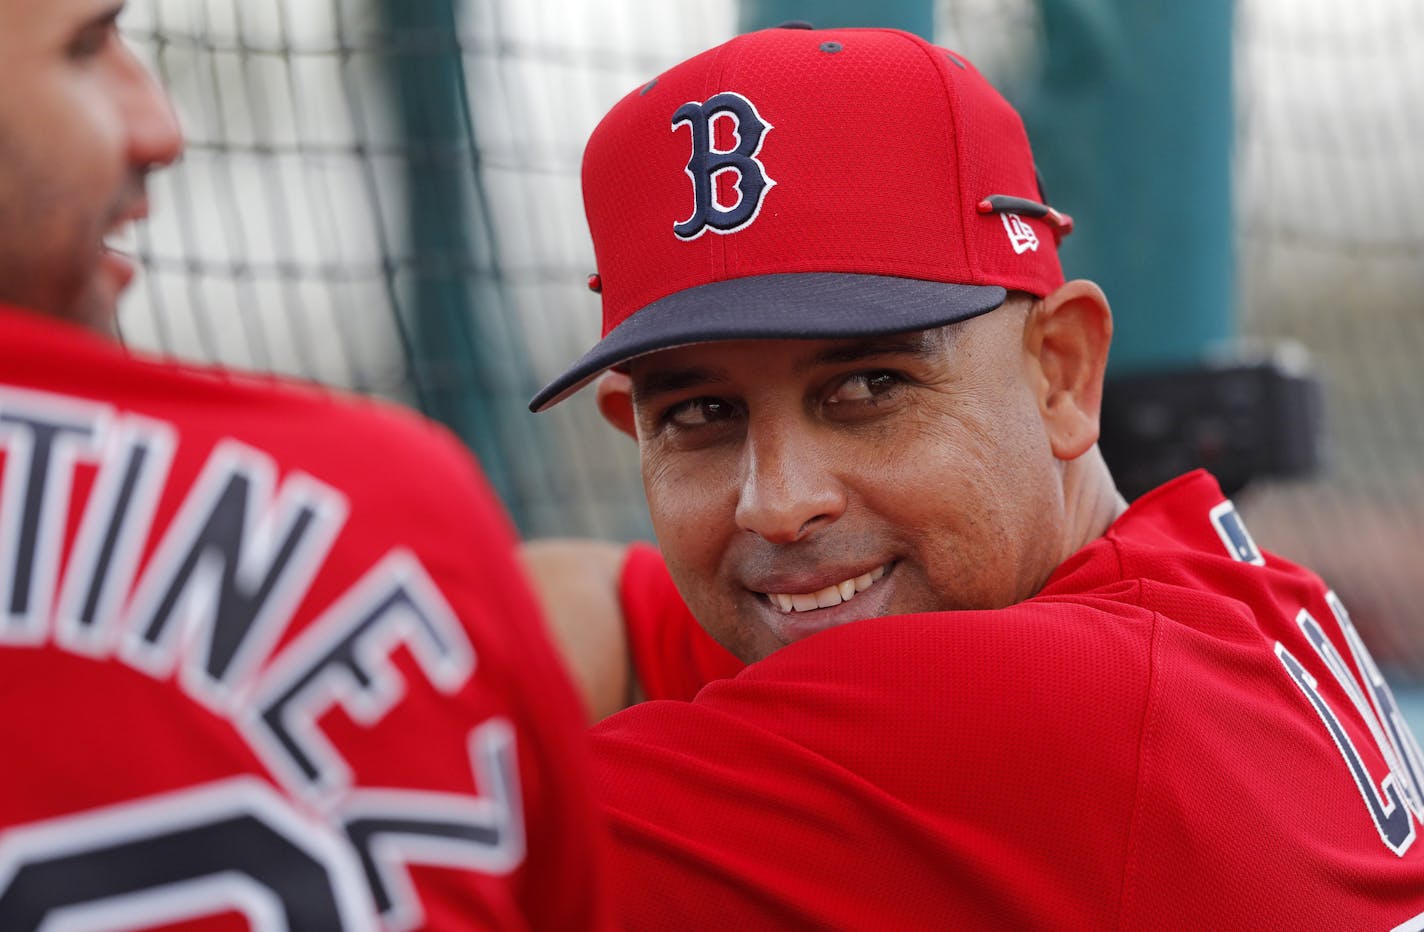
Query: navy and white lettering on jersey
{"x": 344, "y": 659}
{"x": 1401, "y": 748}
{"x": 43, "y": 437}
{"x": 207, "y": 610}
{"x": 1415, "y": 924}
{"x": 230, "y": 570}
{"x": 1234, "y": 535}
{"x": 708, "y": 163}
{"x": 392, "y": 829}
{"x": 232, "y": 845}
{"x": 103, "y": 559}
{"x": 1393, "y": 803}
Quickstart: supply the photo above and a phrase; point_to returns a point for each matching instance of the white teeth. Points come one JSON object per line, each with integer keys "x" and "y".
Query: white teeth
{"x": 120, "y": 238}
{"x": 842, "y": 591}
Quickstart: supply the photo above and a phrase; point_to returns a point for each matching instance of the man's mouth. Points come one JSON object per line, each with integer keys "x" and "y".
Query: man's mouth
{"x": 117, "y": 242}
{"x": 831, "y": 595}
{"x": 119, "y": 234}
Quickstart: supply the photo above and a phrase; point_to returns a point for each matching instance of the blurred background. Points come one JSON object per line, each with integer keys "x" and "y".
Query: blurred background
{"x": 383, "y": 196}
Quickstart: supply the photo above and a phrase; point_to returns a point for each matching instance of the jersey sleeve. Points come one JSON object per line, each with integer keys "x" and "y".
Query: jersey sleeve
{"x": 968, "y": 770}
{"x": 673, "y": 657}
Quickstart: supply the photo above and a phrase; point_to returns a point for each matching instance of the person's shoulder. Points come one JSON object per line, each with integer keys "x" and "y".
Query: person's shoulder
{"x": 341, "y": 414}
{"x": 1184, "y": 518}
{"x": 41, "y": 351}
{"x": 378, "y": 453}
{"x": 1192, "y": 554}
{"x": 1039, "y": 661}
{"x": 955, "y": 715}
{"x": 386, "y": 430}
{"x": 1083, "y": 625}
{"x": 288, "y": 407}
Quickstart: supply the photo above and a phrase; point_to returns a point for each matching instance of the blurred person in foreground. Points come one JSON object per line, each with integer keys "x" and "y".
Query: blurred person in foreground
{"x": 248, "y": 675}
{"x": 954, "y": 680}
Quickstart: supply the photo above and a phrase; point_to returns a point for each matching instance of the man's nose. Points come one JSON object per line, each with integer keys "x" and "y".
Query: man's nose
{"x": 154, "y": 135}
{"x": 789, "y": 487}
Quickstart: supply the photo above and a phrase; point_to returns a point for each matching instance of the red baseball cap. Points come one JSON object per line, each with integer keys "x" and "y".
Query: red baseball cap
{"x": 796, "y": 183}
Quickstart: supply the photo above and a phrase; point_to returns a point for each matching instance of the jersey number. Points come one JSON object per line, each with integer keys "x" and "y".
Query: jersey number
{"x": 233, "y": 846}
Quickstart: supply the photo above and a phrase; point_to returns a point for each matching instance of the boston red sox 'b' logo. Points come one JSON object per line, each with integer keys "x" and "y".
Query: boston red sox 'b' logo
{"x": 709, "y": 164}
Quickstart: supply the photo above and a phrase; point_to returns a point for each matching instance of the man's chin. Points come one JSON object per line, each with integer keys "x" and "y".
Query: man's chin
{"x": 765, "y": 636}
{"x": 747, "y": 642}
{"x": 97, "y": 311}
{"x": 93, "y": 311}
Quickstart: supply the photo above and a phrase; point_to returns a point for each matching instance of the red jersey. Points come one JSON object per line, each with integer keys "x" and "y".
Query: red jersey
{"x": 1178, "y": 732}
{"x": 266, "y": 656}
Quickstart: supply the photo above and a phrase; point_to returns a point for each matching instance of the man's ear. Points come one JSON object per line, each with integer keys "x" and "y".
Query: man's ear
{"x": 615, "y": 402}
{"x": 1066, "y": 338}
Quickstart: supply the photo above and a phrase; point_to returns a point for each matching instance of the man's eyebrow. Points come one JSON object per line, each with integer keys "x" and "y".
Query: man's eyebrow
{"x": 104, "y": 19}
{"x": 919, "y": 343}
{"x": 665, "y": 381}
{"x": 108, "y": 16}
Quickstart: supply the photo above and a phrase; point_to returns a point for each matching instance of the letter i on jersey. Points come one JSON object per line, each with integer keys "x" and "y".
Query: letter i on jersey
{"x": 43, "y": 437}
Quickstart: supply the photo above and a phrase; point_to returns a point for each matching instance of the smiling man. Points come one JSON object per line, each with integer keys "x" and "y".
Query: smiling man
{"x": 968, "y": 686}
{"x": 797, "y": 485}
{"x": 82, "y": 123}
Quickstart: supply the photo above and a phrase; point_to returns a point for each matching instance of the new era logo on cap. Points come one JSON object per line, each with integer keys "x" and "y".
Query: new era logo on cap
{"x": 1021, "y": 235}
{"x": 852, "y": 177}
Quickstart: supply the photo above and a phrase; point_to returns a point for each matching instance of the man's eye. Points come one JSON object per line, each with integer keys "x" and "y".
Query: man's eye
{"x": 864, "y": 386}
{"x": 91, "y": 40}
{"x": 698, "y": 412}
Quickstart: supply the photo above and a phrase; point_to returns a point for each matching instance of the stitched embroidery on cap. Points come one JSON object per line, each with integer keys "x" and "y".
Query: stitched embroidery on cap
{"x": 1021, "y": 235}
{"x": 708, "y": 163}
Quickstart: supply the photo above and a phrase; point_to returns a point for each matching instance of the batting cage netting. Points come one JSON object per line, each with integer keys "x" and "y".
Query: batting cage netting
{"x": 390, "y": 204}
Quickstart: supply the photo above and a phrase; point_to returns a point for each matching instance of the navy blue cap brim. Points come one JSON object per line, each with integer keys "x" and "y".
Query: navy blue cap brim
{"x": 783, "y": 306}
